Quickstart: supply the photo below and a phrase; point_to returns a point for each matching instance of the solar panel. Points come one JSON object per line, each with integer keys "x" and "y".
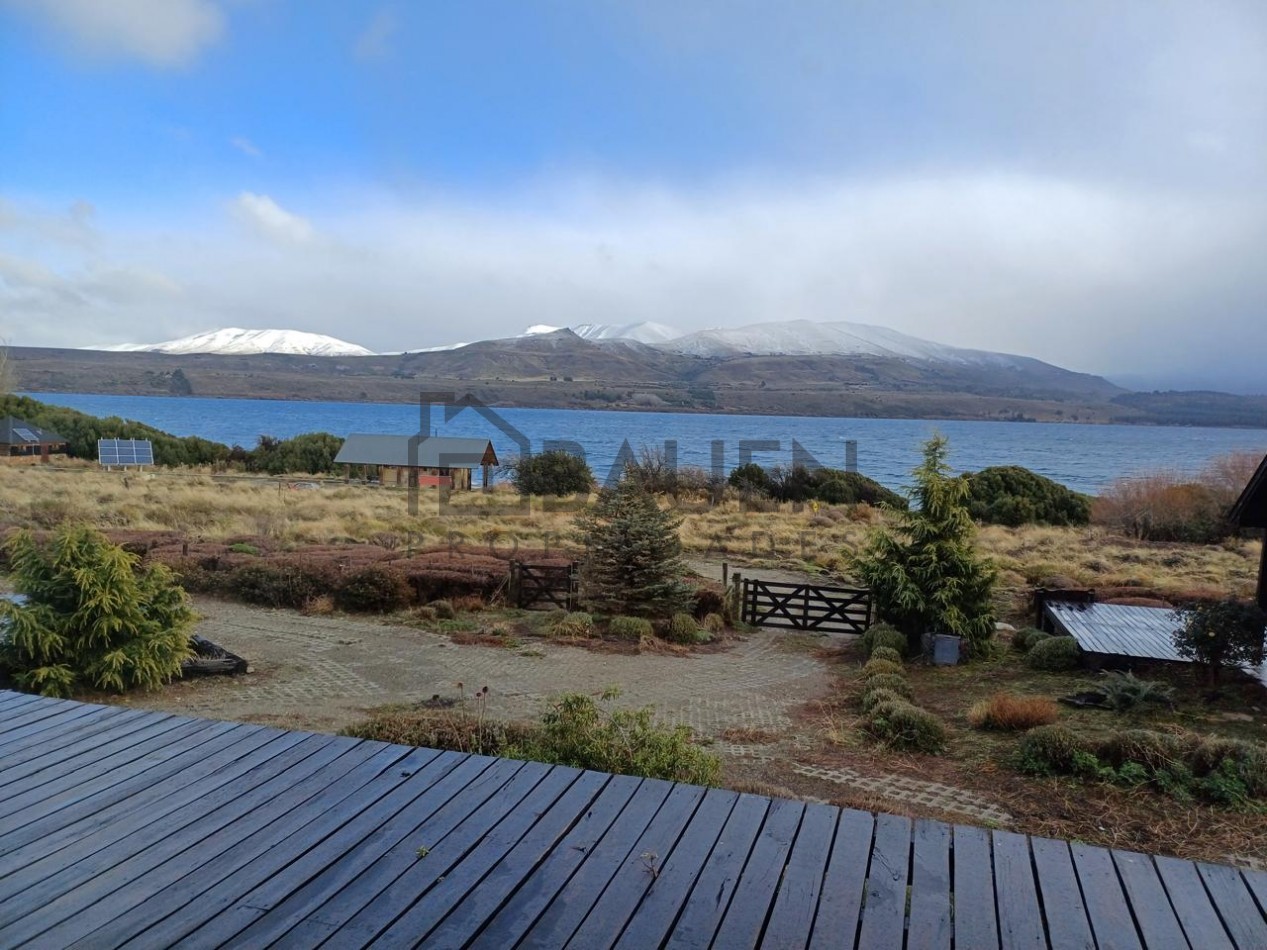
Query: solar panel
{"x": 26, "y": 434}
{"x": 125, "y": 452}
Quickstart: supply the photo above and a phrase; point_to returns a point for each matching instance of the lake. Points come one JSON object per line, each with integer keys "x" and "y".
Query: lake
{"x": 1084, "y": 457}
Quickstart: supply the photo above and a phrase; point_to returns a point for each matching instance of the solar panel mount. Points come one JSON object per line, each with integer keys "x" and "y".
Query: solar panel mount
{"x": 125, "y": 452}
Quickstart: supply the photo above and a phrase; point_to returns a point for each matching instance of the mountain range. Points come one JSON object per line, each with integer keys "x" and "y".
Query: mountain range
{"x": 794, "y": 368}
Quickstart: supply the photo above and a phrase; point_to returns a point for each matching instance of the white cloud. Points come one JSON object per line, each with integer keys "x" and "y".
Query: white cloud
{"x": 1092, "y": 277}
{"x": 266, "y": 217}
{"x": 163, "y": 33}
{"x": 374, "y": 42}
{"x": 246, "y": 146}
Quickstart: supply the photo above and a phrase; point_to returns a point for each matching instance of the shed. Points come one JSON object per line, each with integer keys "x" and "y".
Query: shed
{"x": 1250, "y": 511}
{"x": 22, "y": 439}
{"x": 415, "y": 460}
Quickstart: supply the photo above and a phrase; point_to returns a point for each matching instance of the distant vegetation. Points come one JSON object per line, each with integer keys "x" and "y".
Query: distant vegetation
{"x": 82, "y": 432}
{"x": 799, "y": 483}
{"x": 312, "y": 452}
{"x": 1011, "y": 495}
{"x": 550, "y": 473}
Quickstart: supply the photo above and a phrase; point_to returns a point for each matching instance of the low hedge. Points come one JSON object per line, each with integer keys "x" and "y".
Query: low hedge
{"x": 883, "y": 635}
{"x": 902, "y": 725}
{"x": 1054, "y": 654}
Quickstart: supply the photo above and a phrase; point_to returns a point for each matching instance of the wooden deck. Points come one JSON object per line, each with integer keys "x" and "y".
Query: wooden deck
{"x": 127, "y": 828}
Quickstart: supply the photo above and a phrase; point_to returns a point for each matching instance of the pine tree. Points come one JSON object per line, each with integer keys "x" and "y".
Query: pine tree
{"x": 924, "y": 572}
{"x": 93, "y": 619}
{"x": 633, "y": 562}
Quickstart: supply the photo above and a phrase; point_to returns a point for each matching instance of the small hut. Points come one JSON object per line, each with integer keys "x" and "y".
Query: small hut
{"x": 1250, "y": 511}
{"x": 417, "y": 461}
{"x": 22, "y": 440}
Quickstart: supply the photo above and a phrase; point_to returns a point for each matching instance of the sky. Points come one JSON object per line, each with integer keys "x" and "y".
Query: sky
{"x": 1082, "y": 181}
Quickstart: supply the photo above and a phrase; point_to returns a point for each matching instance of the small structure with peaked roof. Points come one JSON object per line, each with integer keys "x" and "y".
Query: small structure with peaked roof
{"x": 22, "y": 439}
{"x": 1250, "y": 511}
{"x": 417, "y": 460}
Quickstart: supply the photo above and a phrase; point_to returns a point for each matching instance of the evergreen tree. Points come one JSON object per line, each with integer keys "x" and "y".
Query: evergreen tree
{"x": 924, "y": 572}
{"x": 93, "y": 619}
{"x": 633, "y": 564}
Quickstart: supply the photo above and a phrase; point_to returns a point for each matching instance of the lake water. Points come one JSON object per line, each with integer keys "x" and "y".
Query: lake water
{"x": 1084, "y": 457}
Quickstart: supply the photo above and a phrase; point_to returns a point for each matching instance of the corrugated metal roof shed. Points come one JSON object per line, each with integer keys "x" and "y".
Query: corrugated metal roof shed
{"x": 415, "y": 451}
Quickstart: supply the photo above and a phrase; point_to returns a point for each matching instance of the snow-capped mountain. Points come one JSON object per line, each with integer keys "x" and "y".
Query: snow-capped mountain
{"x": 234, "y": 341}
{"x": 807, "y": 338}
{"x": 646, "y": 332}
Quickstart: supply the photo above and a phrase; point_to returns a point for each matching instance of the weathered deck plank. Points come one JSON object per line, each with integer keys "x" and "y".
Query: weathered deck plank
{"x": 126, "y": 828}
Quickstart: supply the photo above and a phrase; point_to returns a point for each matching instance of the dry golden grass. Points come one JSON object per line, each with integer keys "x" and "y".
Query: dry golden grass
{"x": 200, "y": 506}
{"x": 1011, "y": 713}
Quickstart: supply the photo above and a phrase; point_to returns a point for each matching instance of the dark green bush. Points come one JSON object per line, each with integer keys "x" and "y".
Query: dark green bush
{"x": 906, "y": 727}
{"x": 569, "y": 624}
{"x": 835, "y": 487}
{"x": 94, "y": 618}
{"x": 683, "y": 628}
{"x": 1011, "y": 495}
{"x": 1220, "y": 634}
{"x": 1124, "y": 691}
{"x": 886, "y": 653}
{"x": 877, "y": 667}
{"x": 1023, "y": 640}
{"x": 1049, "y": 750}
{"x": 276, "y": 585}
{"x": 750, "y": 477}
{"x": 629, "y": 628}
{"x": 576, "y": 731}
{"x": 891, "y": 681}
{"x": 874, "y": 697}
{"x": 1054, "y": 654}
{"x": 883, "y": 635}
{"x": 1153, "y": 750}
{"x": 373, "y": 590}
{"x": 550, "y": 473}
{"x": 311, "y": 453}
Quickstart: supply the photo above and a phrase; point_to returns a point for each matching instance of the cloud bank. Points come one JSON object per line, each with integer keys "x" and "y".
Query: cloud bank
{"x": 1101, "y": 279}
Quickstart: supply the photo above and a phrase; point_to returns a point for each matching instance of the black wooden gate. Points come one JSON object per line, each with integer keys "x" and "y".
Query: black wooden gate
{"x": 805, "y": 606}
{"x": 544, "y": 585}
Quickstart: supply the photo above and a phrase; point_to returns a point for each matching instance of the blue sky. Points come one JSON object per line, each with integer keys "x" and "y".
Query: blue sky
{"x": 1085, "y": 182}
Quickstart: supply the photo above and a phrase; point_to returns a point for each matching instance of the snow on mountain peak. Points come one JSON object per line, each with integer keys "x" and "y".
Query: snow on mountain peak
{"x": 235, "y": 341}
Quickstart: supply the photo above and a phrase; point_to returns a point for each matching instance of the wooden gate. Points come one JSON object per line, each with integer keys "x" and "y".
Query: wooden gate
{"x": 805, "y": 606}
{"x": 544, "y": 585}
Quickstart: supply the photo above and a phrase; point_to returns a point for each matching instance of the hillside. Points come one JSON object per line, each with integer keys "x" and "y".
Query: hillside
{"x": 561, "y": 370}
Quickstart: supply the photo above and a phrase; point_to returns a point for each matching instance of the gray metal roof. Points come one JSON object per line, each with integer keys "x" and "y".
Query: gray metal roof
{"x": 1119, "y": 630}
{"x": 19, "y": 432}
{"x": 414, "y": 451}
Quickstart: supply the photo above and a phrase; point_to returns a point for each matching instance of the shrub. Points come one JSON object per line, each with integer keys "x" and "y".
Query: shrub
{"x": 883, "y": 635}
{"x": 924, "y": 571}
{"x": 275, "y": 585}
{"x": 890, "y": 681}
{"x": 1153, "y": 750}
{"x": 1011, "y": 495}
{"x": 311, "y": 453}
{"x": 874, "y": 697}
{"x": 1220, "y": 634}
{"x": 714, "y": 623}
{"x": 575, "y": 731}
{"x": 888, "y": 653}
{"x": 879, "y": 667}
{"x": 629, "y": 628}
{"x": 373, "y": 590}
{"x": 835, "y": 487}
{"x": 242, "y": 547}
{"x": 682, "y": 628}
{"x": 453, "y": 730}
{"x": 1023, "y": 640}
{"x": 1008, "y": 712}
{"x": 707, "y": 600}
{"x": 1048, "y": 750}
{"x": 750, "y": 478}
{"x": 1123, "y": 691}
{"x": 633, "y": 562}
{"x": 906, "y": 727}
{"x": 93, "y": 617}
{"x": 1247, "y": 761}
{"x": 569, "y": 624}
{"x": 1054, "y": 654}
{"x": 443, "y": 609}
{"x": 550, "y": 473}
{"x": 1163, "y": 507}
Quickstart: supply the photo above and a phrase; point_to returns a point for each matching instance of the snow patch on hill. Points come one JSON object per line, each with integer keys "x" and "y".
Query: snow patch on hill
{"x": 235, "y": 341}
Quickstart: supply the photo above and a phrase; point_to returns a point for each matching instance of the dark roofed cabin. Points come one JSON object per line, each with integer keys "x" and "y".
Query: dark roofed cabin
{"x": 22, "y": 440}
{"x": 409, "y": 460}
{"x": 1250, "y": 511}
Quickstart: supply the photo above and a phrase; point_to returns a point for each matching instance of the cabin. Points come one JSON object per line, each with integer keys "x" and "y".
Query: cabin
{"x": 22, "y": 440}
{"x": 414, "y": 461}
{"x": 1250, "y": 511}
